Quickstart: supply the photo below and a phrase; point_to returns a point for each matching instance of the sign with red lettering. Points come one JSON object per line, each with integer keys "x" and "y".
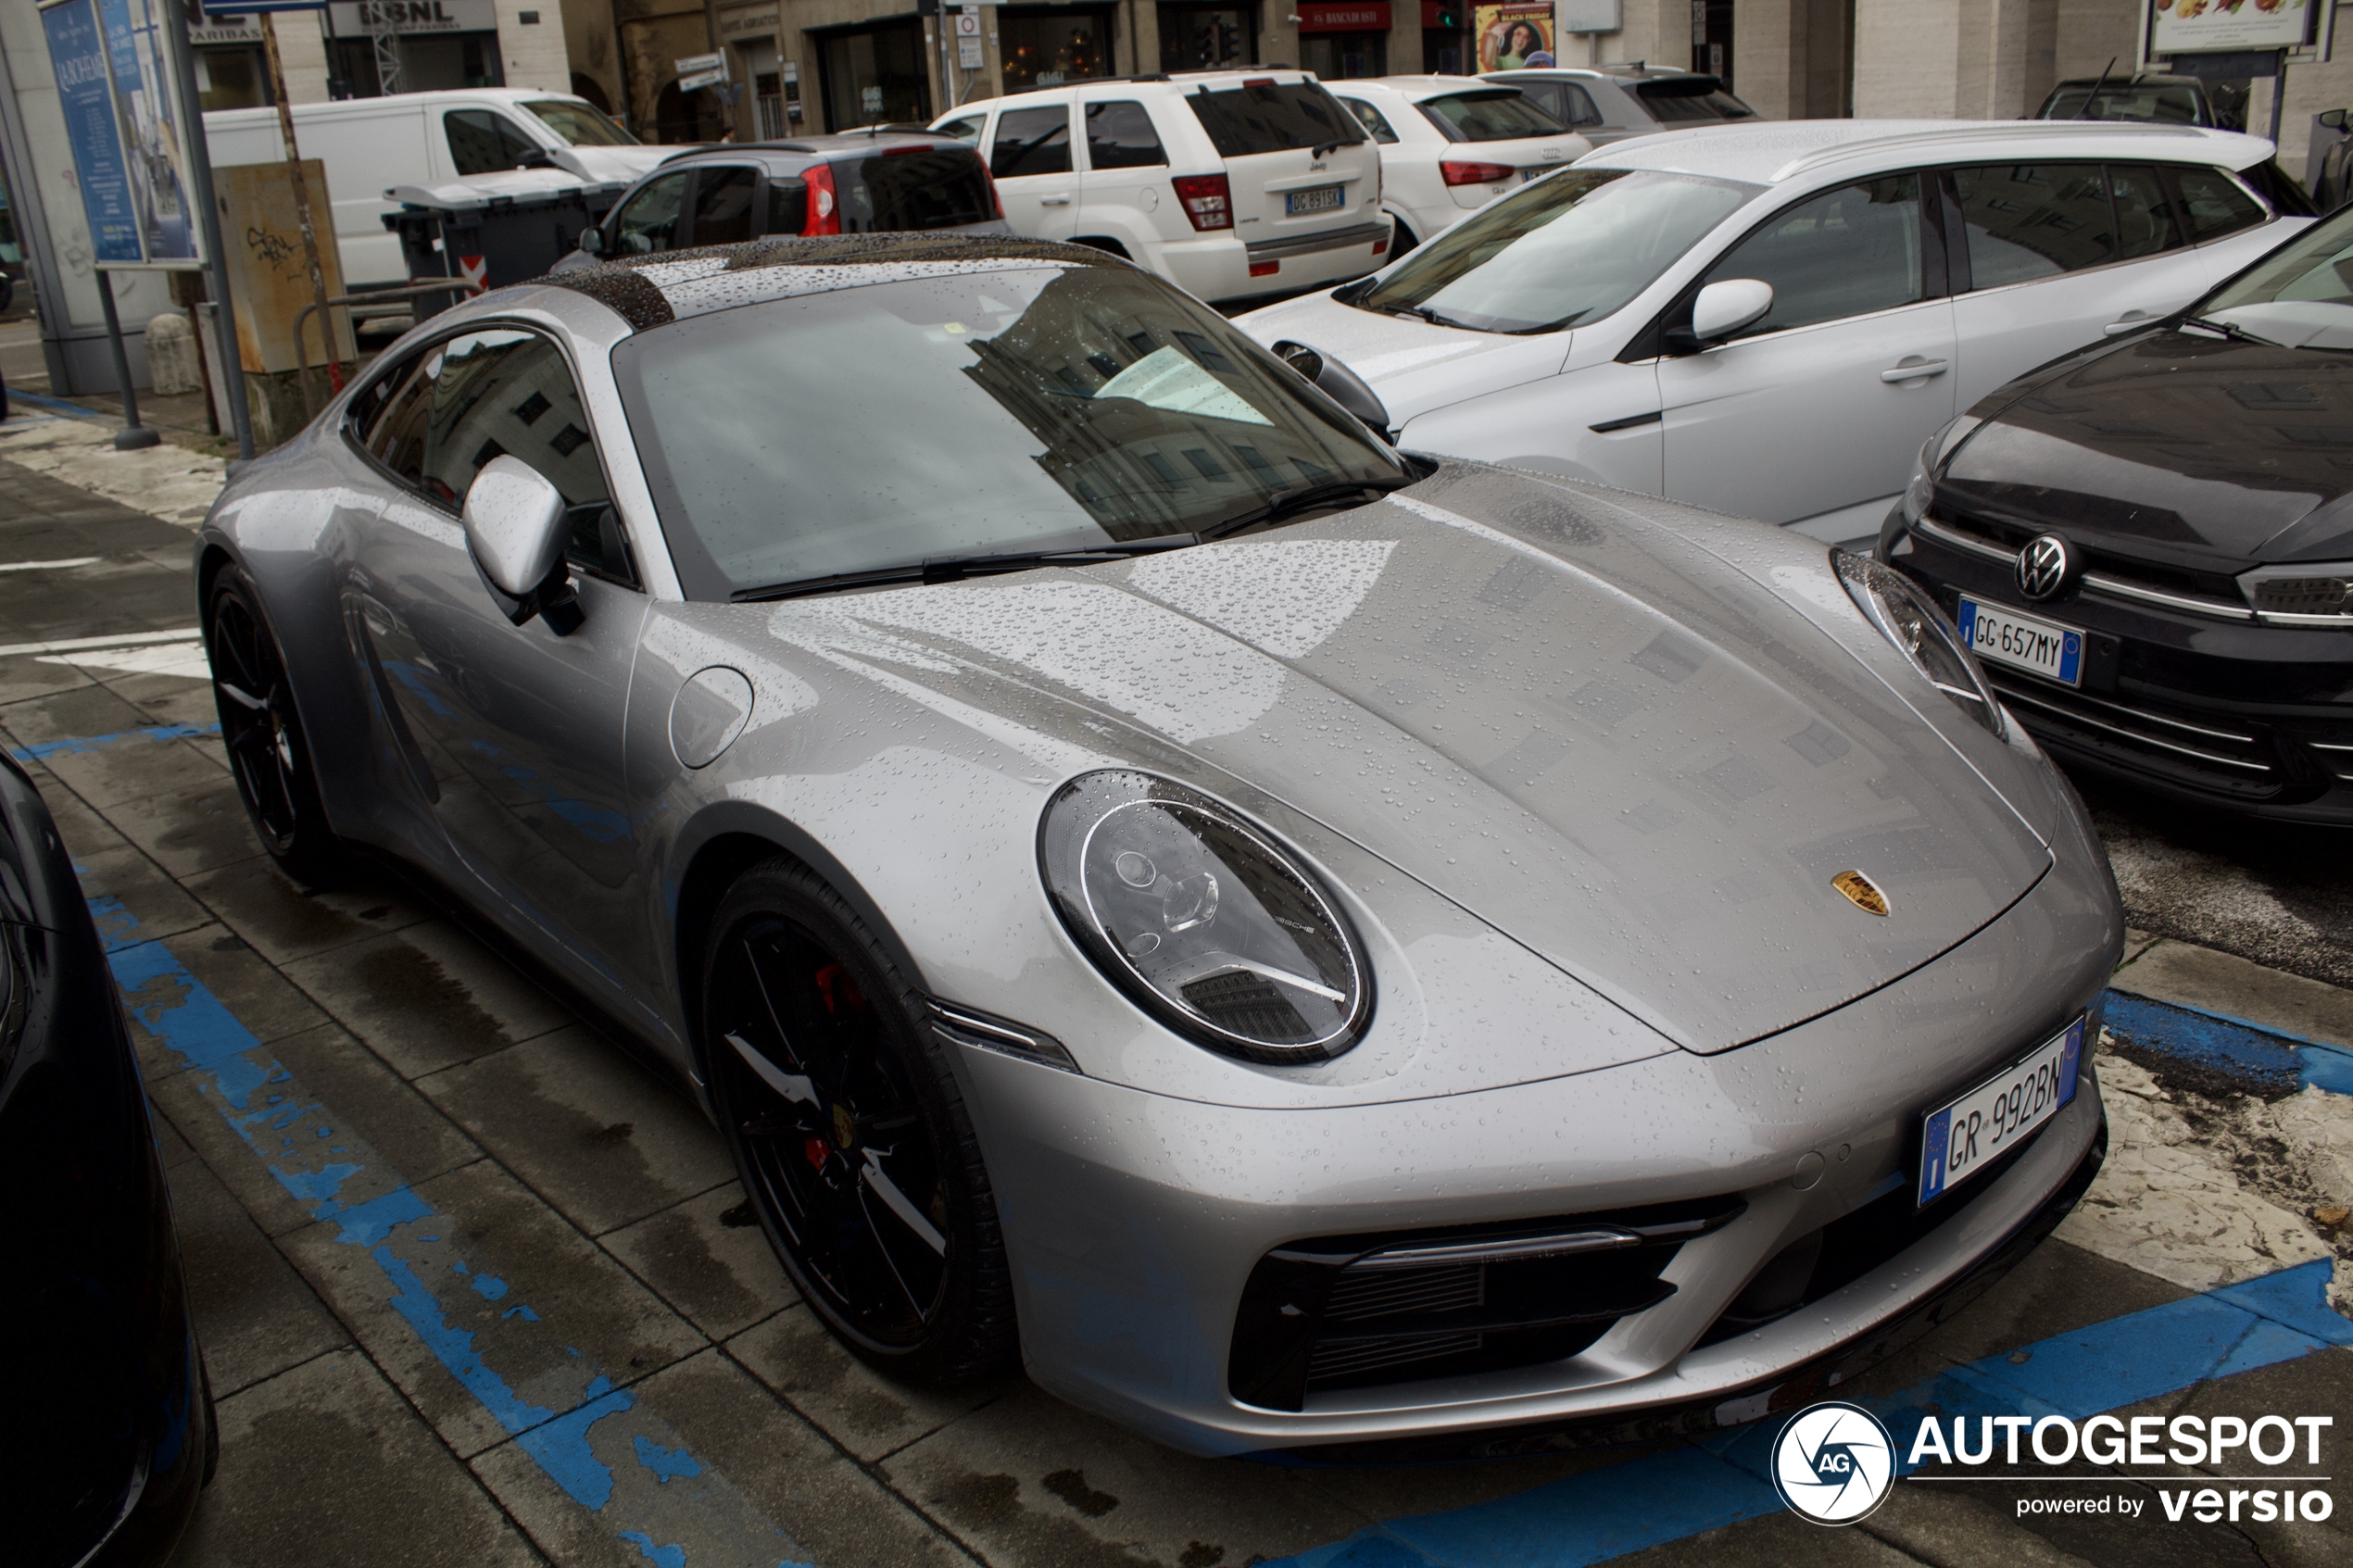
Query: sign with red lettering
{"x": 1337, "y": 15}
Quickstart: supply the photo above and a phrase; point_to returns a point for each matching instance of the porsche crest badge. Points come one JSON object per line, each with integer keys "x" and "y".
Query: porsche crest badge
{"x": 1861, "y": 891}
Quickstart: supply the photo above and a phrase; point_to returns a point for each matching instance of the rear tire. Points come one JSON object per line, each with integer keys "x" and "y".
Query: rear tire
{"x": 268, "y": 752}
{"x": 1401, "y": 241}
{"x": 850, "y": 1133}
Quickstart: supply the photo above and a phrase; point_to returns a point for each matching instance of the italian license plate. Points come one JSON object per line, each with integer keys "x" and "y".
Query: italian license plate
{"x": 2001, "y": 634}
{"x": 1323, "y": 198}
{"x": 1961, "y": 1139}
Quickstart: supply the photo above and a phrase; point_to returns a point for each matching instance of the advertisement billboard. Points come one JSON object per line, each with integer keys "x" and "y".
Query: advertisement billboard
{"x": 128, "y": 130}
{"x": 1519, "y": 35}
{"x": 2191, "y": 26}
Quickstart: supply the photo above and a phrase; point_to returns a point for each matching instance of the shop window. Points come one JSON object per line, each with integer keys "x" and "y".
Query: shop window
{"x": 1336, "y": 56}
{"x": 232, "y": 77}
{"x": 1207, "y": 38}
{"x": 876, "y": 75}
{"x": 1046, "y": 48}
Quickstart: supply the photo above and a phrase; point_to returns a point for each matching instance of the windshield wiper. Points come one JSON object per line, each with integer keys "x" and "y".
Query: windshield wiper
{"x": 1290, "y": 503}
{"x": 2235, "y": 332}
{"x": 955, "y": 569}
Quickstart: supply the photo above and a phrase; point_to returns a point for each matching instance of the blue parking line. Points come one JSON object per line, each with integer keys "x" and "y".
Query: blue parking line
{"x": 1600, "y": 1514}
{"x": 77, "y": 744}
{"x": 2270, "y": 1056}
{"x": 608, "y": 1451}
{"x": 72, "y": 410}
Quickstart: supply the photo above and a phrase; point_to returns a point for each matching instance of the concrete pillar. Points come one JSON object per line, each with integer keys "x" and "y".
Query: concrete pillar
{"x": 590, "y": 45}
{"x": 531, "y": 45}
{"x": 2091, "y": 32}
{"x": 1770, "y": 39}
{"x": 302, "y": 49}
{"x": 1656, "y": 31}
{"x": 1959, "y": 59}
{"x": 2313, "y": 85}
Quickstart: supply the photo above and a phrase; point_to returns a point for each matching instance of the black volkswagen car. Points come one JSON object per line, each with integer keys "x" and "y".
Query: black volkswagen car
{"x": 2149, "y": 542}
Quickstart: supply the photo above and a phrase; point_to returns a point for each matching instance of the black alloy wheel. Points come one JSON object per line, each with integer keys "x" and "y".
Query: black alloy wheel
{"x": 263, "y": 734}
{"x": 850, "y": 1135}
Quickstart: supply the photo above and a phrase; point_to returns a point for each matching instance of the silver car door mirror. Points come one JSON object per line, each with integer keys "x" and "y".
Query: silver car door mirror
{"x": 1338, "y": 383}
{"x": 1725, "y": 308}
{"x": 516, "y": 525}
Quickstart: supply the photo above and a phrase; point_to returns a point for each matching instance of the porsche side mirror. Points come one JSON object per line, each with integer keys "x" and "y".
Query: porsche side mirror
{"x": 1720, "y": 310}
{"x": 1338, "y": 383}
{"x": 516, "y": 526}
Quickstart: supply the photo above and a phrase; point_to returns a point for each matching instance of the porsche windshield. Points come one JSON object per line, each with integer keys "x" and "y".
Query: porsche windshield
{"x": 1028, "y": 408}
{"x": 1565, "y": 251}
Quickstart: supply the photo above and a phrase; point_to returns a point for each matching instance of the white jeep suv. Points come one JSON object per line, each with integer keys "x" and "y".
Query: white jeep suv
{"x": 1230, "y": 185}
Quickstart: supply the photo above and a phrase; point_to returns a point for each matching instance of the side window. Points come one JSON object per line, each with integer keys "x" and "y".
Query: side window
{"x": 1846, "y": 253}
{"x": 2217, "y": 204}
{"x": 483, "y": 143}
{"x": 1571, "y": 104}
{"x": 1031, "y": 142}
{"x": 2035, "y": 221}
{"x": 1373, "y": 120}
{"x": 2144, "y": 224}
{"x": 723, "y": 206}
{"x": 787, "y": 207}
{"x": 1120, "y": 135}
{"x": 965, "y": 129}
{"x": 648, "y": 220}
{"x": 397, "y": 438}
{"x": 369, "y": 403}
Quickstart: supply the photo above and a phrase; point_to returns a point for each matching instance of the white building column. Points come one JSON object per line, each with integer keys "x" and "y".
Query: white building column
{"x": 1961, "y": 60}
{"x": 532, "y": 50}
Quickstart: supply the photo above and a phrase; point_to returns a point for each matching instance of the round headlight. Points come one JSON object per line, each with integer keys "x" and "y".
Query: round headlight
{"x": 1202, "y": 919}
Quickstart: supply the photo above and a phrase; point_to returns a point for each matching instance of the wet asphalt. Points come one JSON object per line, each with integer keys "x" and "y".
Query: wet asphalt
{"x": 512, "y": 1145}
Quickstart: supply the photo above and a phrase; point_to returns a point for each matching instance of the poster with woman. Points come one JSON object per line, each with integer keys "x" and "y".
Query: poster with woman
{"x": 1515, "y": 36}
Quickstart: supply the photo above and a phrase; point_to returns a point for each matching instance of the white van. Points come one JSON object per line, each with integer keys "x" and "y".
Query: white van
{"x": 1229, "y": 184}
{"x": 370, "y": 144}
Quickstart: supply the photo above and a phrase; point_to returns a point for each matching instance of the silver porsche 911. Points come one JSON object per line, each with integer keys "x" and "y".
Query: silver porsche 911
{"x": 1305, "y": 946}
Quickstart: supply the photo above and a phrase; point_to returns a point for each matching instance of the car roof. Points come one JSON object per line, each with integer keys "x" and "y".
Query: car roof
{"x": 1770, "y": 153}
{"x": 1605, "y": 72}
{"x": 807, "y": 149}
{"x": 1416, "y": 89}
{"x": 655, "y": 290}
{"x": 1184, "y": 80}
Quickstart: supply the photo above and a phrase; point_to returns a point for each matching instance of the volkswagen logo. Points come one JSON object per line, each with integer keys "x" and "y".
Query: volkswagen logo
{"x": 2047, "y": 566}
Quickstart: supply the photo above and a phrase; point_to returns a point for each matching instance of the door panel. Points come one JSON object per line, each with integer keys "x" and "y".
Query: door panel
{"x": 1126, "y": 172}
{"x": 1808, "y": 409}
{"x": 1030, "y": 158}
{"x": 512, "y": 735}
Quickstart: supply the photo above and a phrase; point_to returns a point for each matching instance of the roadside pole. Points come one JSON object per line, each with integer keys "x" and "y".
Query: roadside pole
{"x": 132, "y": 435}
{"x": 302, "y": 202}
{"x": 182, "y": 14}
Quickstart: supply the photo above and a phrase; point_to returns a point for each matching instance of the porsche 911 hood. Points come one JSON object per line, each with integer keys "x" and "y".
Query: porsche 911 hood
{"x": 1568, "y": 720}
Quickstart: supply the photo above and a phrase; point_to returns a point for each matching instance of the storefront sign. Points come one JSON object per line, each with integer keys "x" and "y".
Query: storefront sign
{"x": 413, "y": 16}
{"x": 1592, "y": 16}
{"x": 1516, "y": 35}
{"x": 1365, "y": 16}
{"x": 2184, "y": 27}
{"x": 233, "y": 31}
{"x": 748, "y": 22}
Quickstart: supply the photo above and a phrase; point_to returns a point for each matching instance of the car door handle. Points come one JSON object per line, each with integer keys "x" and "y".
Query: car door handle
{"x": 1913, "y": 368}
{"x": 1053, "y": 201}
{"x": 2131, "y": 322}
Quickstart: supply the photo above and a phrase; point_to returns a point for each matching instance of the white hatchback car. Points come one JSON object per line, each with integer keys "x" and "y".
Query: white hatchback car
{"x": 1770, "y": 319}
{"x": 1228, "y": 183}
{"x": 1449, "y": 144}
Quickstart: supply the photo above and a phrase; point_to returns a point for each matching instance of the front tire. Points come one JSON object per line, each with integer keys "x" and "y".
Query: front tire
{"x": 263, "y": 733}
{"x": 850, "y": 1133}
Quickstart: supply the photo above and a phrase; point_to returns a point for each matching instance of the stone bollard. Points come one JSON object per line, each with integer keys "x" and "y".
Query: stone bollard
{"x": 173, "y": 368}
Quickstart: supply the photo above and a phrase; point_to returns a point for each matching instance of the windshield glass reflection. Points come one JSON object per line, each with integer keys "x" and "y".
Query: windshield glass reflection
{"x": 1020, "y": 409}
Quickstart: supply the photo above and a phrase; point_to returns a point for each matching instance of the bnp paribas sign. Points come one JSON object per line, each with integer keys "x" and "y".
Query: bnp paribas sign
{"x": 351, "y": 16}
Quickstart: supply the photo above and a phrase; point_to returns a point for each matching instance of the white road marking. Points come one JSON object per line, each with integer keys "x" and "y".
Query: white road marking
{"x": 49, "y": 565}
{"x": 182, "y": 658}
{"x": 121, "y": 640}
